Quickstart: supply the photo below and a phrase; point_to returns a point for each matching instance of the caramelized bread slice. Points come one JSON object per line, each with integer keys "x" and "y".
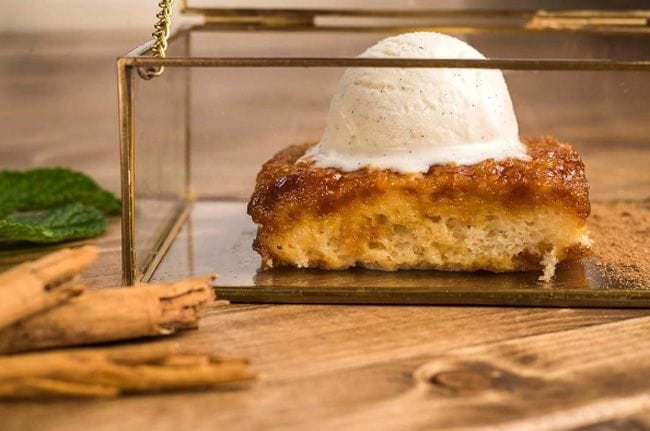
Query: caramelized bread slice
{"x": 497, "y": 216}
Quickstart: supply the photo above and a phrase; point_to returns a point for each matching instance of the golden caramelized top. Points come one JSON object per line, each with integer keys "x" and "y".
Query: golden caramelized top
{"x": 554, "y": 175}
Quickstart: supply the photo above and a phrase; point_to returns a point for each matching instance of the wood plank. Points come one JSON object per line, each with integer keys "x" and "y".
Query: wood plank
{"x": 319, "y": 363}
{"x": 566, "y": 380}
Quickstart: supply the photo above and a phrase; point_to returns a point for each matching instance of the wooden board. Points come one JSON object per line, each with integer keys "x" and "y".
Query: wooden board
{"x": 362, "y": 367}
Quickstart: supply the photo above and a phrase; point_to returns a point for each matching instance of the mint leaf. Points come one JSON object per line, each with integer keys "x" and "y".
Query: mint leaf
{"x": 72, "y": 221}
{"x": 46, "y": 188}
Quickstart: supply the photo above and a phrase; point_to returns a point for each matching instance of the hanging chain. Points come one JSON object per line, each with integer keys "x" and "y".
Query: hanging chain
{"x": 160, "y": 35}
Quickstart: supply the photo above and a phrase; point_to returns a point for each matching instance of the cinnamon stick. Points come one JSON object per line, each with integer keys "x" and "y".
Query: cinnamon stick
{"x": 113, "y": 314}
{"x": 108, "y": 372}
{"x": 41, "y": 284}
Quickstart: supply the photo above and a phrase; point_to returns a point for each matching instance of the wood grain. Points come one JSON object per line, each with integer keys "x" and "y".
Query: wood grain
{"x": 323, "y": 367}
{"x": 553, "y": 380}
{"x": 338, "y": 366}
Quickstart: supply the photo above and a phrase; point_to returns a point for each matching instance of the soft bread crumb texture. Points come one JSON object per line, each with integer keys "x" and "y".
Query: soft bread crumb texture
{"x": 393, "y": 233}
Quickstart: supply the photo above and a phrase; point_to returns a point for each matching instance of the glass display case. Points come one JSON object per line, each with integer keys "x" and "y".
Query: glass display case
{"x": 246, "y": 83}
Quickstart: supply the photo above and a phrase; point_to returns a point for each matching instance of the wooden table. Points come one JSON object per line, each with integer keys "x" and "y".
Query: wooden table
{"x": 323, "y": 367}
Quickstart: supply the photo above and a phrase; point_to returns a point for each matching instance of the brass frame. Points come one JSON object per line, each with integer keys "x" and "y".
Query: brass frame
{"x": 126, "y": 73}
{"x": 223, "y": 19}
{"x": 602, "y": 21}
{"x": 532, "y": 297}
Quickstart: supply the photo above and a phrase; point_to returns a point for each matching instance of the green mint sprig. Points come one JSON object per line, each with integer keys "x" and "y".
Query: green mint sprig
{"x": 49, "y": 205}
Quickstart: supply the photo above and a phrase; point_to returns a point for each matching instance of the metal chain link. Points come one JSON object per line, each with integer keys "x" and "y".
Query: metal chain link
{"x": 160, "y": 35}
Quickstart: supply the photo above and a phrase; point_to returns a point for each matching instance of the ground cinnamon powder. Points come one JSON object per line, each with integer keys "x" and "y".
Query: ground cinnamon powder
{"x": 621, "y": 235}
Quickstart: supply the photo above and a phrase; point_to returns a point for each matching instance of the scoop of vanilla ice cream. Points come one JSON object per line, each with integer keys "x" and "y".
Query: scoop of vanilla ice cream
{"x": 408, "y": 119}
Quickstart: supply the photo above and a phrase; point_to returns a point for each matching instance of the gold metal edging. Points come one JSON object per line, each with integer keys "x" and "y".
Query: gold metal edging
{"x": 127, "y": 168}
{"x": 455, "y": 29}
{"x": 188, "y": 121}
{"x": 590, "y": 19}
{"x": 236, "y": 13}
{"x": 279, "y": 294}
{"x": 504, "y": 64}
{"x": 415, "y": 13}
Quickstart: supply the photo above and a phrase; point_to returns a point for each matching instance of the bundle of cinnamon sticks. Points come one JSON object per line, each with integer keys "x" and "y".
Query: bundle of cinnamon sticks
{"x": 43, "y": 305}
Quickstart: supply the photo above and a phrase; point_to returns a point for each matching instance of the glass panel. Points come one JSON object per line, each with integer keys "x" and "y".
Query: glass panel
{"x": 258, "y": 112}
{"x": 289, "y": 106}
{"x": 160, "y": 143}
{"x": 523, "y": 44}
{"x": 604, "y": 115}
{"x": 241, "y": 116}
